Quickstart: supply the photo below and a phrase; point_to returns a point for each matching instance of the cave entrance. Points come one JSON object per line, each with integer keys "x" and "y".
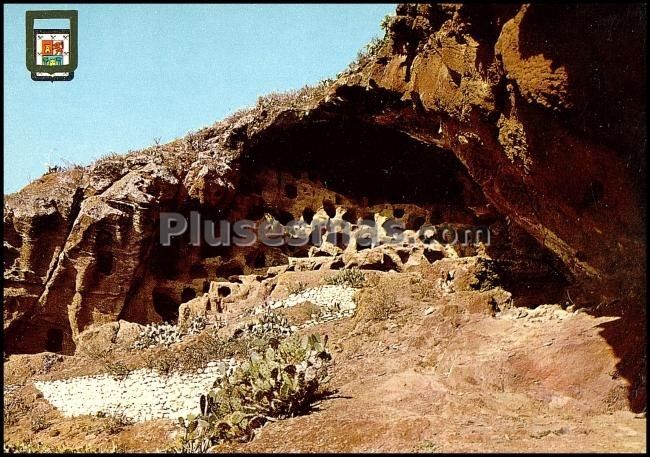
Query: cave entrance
{"x": 54, "y": 340}
{"x": 361, "y": 160}
{"x": 188, "y": 294}
{"x": 165, "y": 305}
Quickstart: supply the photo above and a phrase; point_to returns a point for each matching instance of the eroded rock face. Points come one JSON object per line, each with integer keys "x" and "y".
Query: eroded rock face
{"x": 468, "y": 114}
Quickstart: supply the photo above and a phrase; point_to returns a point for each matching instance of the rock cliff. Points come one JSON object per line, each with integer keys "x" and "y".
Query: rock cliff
{"x": 527, "y": 119}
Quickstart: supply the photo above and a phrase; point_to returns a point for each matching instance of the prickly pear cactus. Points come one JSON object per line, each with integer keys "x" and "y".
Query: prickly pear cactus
{"x": 281, "y": 382}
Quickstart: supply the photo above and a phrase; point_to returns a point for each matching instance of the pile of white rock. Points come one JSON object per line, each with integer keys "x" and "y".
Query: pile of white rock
{"x": 141, "y": 395}
{"x": 335, "y": 302}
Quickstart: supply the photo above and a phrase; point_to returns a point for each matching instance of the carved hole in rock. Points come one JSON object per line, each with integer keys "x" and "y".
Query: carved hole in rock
{"x": 163, "y": 261}
{"x": 308, "y": 215}
{"x": 255, "y": 212}
{"x": 165, "y": 306}
{"x": 187, "y": 294}
{"x": 198, "y": 271}
{"x": 290, "y": 191}
{"x": 105, "y": 263}
{"x": 54, "y": 342}
{"x": 284, "y": 217}
{"x": 47, "y": 230}
{"x": 386, "y": 264}
{"x": 432, "y": 255}
{"x": 297, "y": 251}
{"x": 329, "y": 207}
{"x": 256, "y": 259}
{"x": 229, "y": 268}
{"x": 206, "y": 287}
{"x": 350, "y": 216}
{"x": 436, "y": 216}
{"x": 416, "y": 222}
{"x": 403, "y": 256}
{"x": 223, "y": 291}
{"x": 398, "y": 212}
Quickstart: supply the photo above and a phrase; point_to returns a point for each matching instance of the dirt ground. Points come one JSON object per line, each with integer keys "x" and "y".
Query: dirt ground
{"x": 429, "y": 377}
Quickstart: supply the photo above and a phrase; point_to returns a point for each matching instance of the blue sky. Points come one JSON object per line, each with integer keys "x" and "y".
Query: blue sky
{"x": 160, "y": 71}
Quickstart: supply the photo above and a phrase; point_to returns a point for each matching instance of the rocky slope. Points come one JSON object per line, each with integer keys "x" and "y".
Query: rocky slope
{"x": 527, "y": 119}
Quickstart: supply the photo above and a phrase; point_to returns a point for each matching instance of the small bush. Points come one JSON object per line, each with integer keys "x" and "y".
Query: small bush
{"x": 117, "y": 369}
{"x": 115, "y": 423}
{"x": 302, "y": 312}
{"x": 378, "y": 303}
{"x": 296, "y": 288}
{"x": 38, "y": 422}
{"x": 163, "y": 361}
{"x": 423, "y": 288}
{"x": 209, "y": 346}
{"x": 365, "y": 55}
{"x": 49, "y": 360}
{"x": 276, "y": 101}
{"x": 157, "y": 335}
{"x": 386, "y": 22}
{"x": 352, "y": 278}
{"x": 14, "y": 408}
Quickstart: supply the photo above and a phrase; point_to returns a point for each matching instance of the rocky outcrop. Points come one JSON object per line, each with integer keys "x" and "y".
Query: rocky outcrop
{"x": 527, "y": 119}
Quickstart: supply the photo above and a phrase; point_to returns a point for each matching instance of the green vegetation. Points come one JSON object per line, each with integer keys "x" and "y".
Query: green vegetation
{"x": 283, "y": 381}
{"x": 352, "y": 278}
{"x": 296, "y": 288}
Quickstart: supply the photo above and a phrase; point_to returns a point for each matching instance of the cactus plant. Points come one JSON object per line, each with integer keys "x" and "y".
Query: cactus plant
{"x": 277, "y": 383}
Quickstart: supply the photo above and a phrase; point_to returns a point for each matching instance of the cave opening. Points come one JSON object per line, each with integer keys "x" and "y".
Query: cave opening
{"x": 187, "y": 294}
{"x": 351, "y": 166}
{"x": 223, "y": 291}
{"x": 359, "y": 159}
{"x": 165, "y": 306}
{"x": 229, "y": 268}
{"x": 308, "y": 215}
{"x": 291, "y": 191}
{"x": 54, "y": 341}
{"x": 105, "y": 263}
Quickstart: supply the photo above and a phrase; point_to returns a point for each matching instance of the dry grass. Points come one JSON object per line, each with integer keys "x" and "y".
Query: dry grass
{"x": 38, "y": 421}
{"x": 115, "y": 423}
{"x": 351, "y": 278}
{"x": 364, "y": 56}
{"x": 378, "y": 303}
{"x": 14, "y": 408}
{"x": 109, "y": 362}
{"x": 296, "y": 288}
{"x": 198, "y": 351}
{"x": 277, "y": 101}
{"x": 423, "y": 289}
{"x": 298, "y": 314}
